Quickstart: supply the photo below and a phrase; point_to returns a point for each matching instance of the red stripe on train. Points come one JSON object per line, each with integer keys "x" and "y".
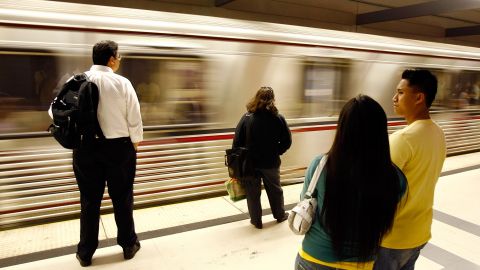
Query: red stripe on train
{"x": 219, "y": 137}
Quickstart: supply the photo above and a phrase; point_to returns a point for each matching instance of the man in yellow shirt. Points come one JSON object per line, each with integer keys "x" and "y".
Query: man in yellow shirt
{"x": 419, "y": 151}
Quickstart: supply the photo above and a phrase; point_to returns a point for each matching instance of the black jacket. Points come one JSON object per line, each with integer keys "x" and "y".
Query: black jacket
{"x": 269, "y": 138}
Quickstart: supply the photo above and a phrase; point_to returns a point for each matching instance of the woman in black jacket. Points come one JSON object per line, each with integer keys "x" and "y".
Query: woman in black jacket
{"x": 266, "y": 135}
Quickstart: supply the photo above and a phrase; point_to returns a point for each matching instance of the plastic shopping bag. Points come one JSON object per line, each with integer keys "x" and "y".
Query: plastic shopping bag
{"x": 235, "y": 189}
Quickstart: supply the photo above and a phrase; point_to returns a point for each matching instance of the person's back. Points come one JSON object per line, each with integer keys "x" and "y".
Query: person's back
{"x": 115, "y": 104}
{"x": 357, "y": 192}
{"x": 110, "y": 159}
{"x": 266, "y": 139}
{"x": 419, "y": 150}
{"x": 266, "y": 135}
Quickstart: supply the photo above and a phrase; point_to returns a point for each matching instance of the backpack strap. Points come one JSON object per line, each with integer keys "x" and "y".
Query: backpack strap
{"x": 89, "y": 105}
{"x": 248, "y": 129}
{"x": 94, "y": 96}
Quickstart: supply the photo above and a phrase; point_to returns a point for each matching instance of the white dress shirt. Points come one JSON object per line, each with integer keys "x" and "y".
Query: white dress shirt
{"x": 118, "y": 107}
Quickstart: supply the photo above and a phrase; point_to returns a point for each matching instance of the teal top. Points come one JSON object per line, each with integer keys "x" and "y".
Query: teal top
{"x": 317, "y": 243}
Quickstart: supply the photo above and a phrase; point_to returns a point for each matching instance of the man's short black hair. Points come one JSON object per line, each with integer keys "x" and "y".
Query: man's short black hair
{"x": 103, "y": 50}
{"x": 424, "y": 81}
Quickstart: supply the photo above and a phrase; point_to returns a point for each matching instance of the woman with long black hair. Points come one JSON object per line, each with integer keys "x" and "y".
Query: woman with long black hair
{"x": 358, "y": 192}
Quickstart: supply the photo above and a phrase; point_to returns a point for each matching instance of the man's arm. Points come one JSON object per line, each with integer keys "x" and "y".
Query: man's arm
{"x": 400, "y": 150}
{"x": 134, "y": 117}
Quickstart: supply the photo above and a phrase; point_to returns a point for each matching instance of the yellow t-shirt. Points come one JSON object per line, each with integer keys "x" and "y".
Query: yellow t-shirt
{"x": 419, "y": 150}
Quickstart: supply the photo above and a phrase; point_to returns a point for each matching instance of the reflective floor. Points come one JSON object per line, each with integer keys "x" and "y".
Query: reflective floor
{"x": 216, "y": 234}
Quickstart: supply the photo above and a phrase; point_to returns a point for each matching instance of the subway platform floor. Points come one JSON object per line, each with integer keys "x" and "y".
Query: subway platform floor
{"x": 215, "y": 233}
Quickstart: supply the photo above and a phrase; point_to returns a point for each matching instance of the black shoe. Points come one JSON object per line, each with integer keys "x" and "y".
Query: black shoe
{"x": 84, "y": 262}
{"x": 258, "y": 225}
{"x": 282, "y": 219}
{"x": 129, "y": 252}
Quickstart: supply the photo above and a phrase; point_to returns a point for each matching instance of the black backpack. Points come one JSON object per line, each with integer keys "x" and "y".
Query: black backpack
{"x": 74, "y": 113}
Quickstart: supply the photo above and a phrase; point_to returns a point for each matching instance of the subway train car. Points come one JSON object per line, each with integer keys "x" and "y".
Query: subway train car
{"x": 193, "y": 76}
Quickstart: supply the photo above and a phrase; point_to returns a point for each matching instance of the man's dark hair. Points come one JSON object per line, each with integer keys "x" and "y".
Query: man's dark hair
{"x": 361, "y": 186}
{"x": 424, "y": 81}
{"x": 103, "y": 50}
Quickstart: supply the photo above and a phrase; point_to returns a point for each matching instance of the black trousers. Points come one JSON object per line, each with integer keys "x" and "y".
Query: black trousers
{"x": 110, "y": 161}
{"x": 253, "y": 189}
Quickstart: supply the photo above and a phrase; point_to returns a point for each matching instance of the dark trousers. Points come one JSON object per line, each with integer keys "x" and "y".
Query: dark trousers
{"x": 110, "y": 161}
{"x": 253, "y": 188}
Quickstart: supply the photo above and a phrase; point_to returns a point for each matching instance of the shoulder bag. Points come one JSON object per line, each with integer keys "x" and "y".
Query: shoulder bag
{"x": 237, "y": 159}
{"x": 301, "y": 216}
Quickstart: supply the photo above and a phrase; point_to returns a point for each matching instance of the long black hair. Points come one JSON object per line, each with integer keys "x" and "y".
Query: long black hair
{"x": 362, "y": 186}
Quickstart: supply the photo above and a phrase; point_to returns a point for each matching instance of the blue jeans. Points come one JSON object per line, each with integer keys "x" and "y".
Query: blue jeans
{"x": 302, "y": 264}
{"x": 397, "y": 259}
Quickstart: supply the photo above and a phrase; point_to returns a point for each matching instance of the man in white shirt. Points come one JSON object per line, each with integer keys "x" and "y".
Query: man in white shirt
{"x": 112, "y": 159}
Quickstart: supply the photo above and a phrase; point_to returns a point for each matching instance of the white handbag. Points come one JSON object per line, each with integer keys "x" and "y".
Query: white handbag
{"x": 301, "y": 216}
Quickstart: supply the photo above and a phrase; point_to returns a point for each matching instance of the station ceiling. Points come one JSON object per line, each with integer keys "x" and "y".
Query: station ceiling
{"x": 445, "y": 21}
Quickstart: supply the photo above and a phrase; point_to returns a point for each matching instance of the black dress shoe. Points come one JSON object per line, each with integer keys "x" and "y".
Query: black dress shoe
{"x": 282, "y": 219}
{"x": 258, "y": 225}
{"x": 84, "y": 262}
{"x": 129, "y": 252}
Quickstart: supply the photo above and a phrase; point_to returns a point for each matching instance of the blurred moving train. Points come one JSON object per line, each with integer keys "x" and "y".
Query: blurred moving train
{"x": 193, "y": 76}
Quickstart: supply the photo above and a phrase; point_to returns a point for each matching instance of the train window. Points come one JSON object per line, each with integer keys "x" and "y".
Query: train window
{"x": 29, "y": 80}
{"x": 462, "y": 91}
{"x": 457, "y": 89}
{"x": 323, "y": 80}
{"x": 170, "y": 89}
